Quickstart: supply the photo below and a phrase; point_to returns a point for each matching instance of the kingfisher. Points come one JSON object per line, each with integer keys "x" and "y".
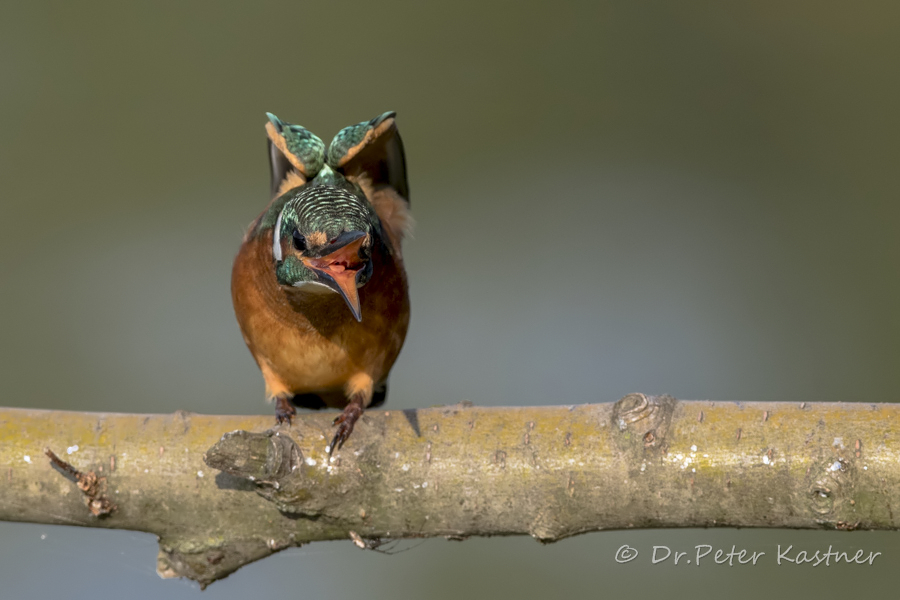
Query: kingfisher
{"x": 318, "y": 285}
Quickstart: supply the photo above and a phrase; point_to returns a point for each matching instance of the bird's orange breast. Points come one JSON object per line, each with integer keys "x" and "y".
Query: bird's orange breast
{"x": 308, "y": 342}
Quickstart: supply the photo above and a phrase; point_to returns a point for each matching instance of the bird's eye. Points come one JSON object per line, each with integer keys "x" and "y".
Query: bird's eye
{"x": 299, "y": 241}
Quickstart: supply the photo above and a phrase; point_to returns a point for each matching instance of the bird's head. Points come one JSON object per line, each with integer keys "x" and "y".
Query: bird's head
{"x": 323, "y": 238}
{"x": 326, "y": 228}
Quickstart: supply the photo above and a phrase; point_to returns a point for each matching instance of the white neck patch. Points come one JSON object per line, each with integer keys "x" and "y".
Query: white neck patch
{"x": 314, "y": 286}
{"x": 276, "y": 239}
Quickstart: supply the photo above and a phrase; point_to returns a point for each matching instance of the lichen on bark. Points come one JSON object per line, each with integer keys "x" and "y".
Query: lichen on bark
{"x": 222, "y": 491}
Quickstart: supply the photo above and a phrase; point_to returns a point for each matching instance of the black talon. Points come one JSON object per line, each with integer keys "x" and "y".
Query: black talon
{"x": 284, "y": 410}
{"x": 345, "y": 421}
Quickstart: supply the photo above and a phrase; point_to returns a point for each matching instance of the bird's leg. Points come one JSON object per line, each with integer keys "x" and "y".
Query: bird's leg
{"x": 359, "y": 390}
{"x": 284, "y": 410}
{"x": 277, "y": 389}
{"x": 345, "y": 422}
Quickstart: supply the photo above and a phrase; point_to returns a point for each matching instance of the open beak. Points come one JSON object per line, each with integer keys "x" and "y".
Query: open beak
{"x": 339, "y": 268}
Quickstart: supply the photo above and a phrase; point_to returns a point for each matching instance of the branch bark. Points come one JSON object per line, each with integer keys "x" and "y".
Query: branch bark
{"x": 218, "y": 501}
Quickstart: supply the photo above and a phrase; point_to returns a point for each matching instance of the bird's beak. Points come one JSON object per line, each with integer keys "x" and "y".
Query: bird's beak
{"x": 340, "y": 267}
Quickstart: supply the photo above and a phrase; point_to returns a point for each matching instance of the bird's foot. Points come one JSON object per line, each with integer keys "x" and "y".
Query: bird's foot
{"x": 284, "y": 410}
{"x": 345, "y": 422}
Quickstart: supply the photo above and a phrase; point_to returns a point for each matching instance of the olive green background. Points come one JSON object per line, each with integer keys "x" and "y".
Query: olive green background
{"x": 698, "y": 199}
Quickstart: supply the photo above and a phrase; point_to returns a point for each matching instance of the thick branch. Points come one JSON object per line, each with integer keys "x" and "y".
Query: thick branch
{"x": 456, "y": 471}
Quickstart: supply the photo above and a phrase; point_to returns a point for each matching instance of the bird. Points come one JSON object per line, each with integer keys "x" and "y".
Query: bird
{"x": 318, "y": 285}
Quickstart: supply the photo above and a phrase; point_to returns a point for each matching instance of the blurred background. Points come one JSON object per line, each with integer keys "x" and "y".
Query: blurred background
{"x": 698, "y": 199}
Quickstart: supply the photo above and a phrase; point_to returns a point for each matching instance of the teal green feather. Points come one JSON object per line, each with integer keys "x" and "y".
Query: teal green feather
{"x": 351, "y": 136}
{"x": 267, "y": 220}
{"x": 327, "y": 176}
{"x": 291, "y": 270}
{"x": 329, "y": 204}
{"x": 302, "y": 143}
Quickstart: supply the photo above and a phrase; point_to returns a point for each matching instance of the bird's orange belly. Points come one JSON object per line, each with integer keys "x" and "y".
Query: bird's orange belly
{"x": 298, "y": 362}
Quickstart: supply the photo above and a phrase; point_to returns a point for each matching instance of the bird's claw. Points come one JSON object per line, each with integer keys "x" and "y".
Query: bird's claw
{"x": 284, "y": 411}
{"x": 345, "y": 422}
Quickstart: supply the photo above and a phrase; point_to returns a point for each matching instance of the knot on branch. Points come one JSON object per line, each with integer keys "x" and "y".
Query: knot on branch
{"x": 263, "y": 458}
{"x": 643, "y": 421}
{"x": 274, "y": 463}
{"x": 831, "y": 485}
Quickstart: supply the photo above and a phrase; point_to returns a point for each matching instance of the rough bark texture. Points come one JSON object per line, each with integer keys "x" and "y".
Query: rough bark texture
{"x": 220, "y": 501}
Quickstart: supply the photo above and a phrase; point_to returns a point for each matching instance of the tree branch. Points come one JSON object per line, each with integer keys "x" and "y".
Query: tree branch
{"x": 220, "y": 501}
